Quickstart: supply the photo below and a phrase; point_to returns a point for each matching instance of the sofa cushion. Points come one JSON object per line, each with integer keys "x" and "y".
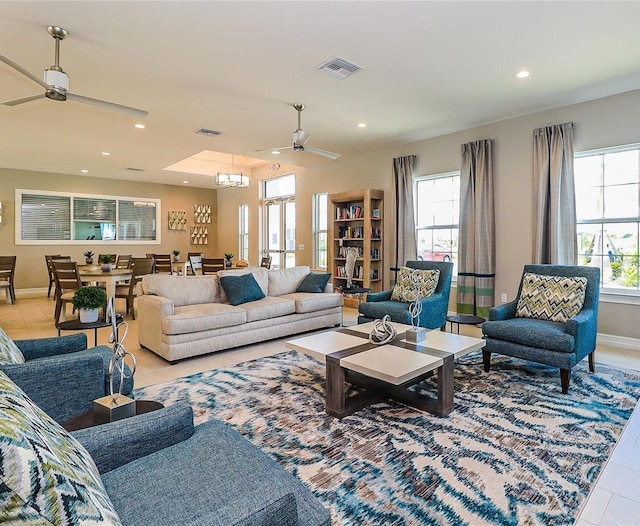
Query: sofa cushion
{"x": 241, "y": 289}
{"x": 47, "y": 476}
{"x": 314, "y": 282}
{"x": 260, "y": 274}
{"x": 312, "y": 302}
{"x": 196, "y": 318}
{"x": 415, "y": 283}
{"x": 286, "y": 280}
{"x": 9, "y": 351}
{"x": 183, "y": 290}
{"x": 267, "y": 308}
{"x": 526, "y": 331}
{"x": 554, "y": 298}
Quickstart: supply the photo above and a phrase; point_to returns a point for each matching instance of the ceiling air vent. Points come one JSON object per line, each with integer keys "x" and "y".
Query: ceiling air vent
{"x": 134, "y": 169}
{"x": 208, "y": 132}
{"x": 339, "y": 68}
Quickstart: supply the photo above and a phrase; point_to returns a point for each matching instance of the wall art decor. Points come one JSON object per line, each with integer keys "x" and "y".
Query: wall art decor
{"x": 177, "y": 220}
{"x": 199, "y": 235}
{"x": 202, "y": 213}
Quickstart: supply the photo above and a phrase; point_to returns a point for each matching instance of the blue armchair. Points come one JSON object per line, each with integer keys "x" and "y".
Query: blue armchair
{"x": 434, "y": 308}
{"x": 63, "y": 368}
{"x": 559, "y": 344}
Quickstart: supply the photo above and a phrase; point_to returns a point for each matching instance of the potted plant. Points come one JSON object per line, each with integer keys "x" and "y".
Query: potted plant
{"x": 105, "y": 259}
{"x": 176, "y": 255}
{"x": 228, "y": 256}
{"x": 88, "y": 257}
{"x": 88, "y": 301}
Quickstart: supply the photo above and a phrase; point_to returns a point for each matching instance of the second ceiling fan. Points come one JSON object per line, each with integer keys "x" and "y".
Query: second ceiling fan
{"x": 300, "y": 138}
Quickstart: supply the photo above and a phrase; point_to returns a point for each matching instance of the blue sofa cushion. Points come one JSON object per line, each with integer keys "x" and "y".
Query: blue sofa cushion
{"x": 9, "y": 351}
{"x": 241, "y": 289}
{"x": 413, "y": 284}
{"x": 47, "y": 476}
{"x": 554, "y": 298}
{"x": 527, "y": 331}
{"x": 314, "y": 282}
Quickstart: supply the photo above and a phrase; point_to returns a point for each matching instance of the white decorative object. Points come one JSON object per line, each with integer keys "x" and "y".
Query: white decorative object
{"x": 88, "y": 315}
{"x": 416, "y": 333}
{"x": 383, "y": 331}
{"x": 350, "y": 264}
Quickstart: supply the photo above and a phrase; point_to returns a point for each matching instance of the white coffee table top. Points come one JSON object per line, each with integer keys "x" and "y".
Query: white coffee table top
{"x": 321, "y": 344}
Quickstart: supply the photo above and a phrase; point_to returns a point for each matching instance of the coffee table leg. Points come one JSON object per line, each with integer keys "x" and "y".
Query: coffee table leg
{"x": 444, "y": 404}
{"x": 335, "y": 400}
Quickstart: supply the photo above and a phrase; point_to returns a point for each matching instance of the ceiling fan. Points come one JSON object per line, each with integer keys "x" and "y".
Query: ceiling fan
{"x": 56, "y": 82}
{"x": 300, "y": 138}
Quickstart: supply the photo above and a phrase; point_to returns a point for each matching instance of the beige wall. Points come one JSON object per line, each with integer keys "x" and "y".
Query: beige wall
{"x": 30, "y": 266}
{"x": 600, "y": 123}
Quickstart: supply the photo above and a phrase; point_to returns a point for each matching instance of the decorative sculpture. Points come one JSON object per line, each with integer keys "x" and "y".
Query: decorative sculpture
{"x": 412, "y": 295}
{"x": 350, "y": 264}
{"x": 383, "y": 331}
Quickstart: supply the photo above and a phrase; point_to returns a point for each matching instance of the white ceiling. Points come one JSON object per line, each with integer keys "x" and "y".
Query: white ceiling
{"x": 429, "y": 68}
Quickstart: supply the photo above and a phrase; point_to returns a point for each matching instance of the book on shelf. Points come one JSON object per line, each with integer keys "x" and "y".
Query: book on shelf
{"x": 375, "y": 233}
{"x": 375, "y": 213}
{"x": 349, "y": 212}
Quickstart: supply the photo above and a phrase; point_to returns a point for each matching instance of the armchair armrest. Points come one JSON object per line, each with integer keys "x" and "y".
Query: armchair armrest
{"x": 505, "y": 311}
{"x": 53, "y": 346}
{"x": 434, "y": 311}
{"x": 385, "y": 295}
{"x": 64, "y": 386}
{"x": 583, "y": 327}
{"x": 118, "y": 443}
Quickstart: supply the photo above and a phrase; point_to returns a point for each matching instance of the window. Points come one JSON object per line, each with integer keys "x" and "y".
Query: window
{"x": 320, "y": 226}
{"x": 243, "y": 222}
{"x": 437, "y": 210}
{"x": 50, "y": 217}
{"x": 280, "y": 221}
{"x": 607, "y": 185}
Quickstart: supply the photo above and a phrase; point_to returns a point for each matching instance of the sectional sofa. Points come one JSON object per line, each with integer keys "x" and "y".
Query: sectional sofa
{"x": 184, "y": 316}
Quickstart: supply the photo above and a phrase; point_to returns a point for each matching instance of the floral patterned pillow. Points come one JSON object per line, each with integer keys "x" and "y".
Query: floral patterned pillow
{"x": 46, "y": 476}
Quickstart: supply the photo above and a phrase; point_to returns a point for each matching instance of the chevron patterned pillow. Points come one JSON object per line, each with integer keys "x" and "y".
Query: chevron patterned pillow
{"x": 414, "y": 283}
{"x": 46, "y": 476}
{"x": 554, "y": 298}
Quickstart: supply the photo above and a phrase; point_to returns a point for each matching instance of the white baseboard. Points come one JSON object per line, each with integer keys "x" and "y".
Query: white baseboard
{"x": 624, "y": 342}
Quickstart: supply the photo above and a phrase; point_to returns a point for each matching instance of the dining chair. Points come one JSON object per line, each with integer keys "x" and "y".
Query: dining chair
{"x": 67, "y": 282}
{"x": 163, "y": 263}
{"x": 266, "y": 262}
{"x": 123, "y": 261}
{"x": 212, "y": 265}
{"x": 140, "y": 267}
{"x": 195, "y": 263}
{"x": 7, "y": 273}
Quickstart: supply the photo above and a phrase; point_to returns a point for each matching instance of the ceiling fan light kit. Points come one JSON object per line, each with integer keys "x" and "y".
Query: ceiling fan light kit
{"x": 56, "y": 82}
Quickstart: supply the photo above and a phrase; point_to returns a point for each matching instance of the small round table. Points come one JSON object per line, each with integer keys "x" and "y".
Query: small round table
{"x": 84, "y": 420}
{"x": 464, "y": 319}
{"x": 359, "y": 291}
{"x": 77, "y": 325}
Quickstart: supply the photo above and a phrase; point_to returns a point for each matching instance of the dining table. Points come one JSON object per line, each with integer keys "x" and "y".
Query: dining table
{"x": 94, "y": 274}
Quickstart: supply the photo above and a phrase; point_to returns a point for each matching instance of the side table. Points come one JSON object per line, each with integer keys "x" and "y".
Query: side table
{"x": 77, "y": 325}
{"x": 84, "y": 420}
{"x": 464, "y": 319}
{"x": 359, "y": 291}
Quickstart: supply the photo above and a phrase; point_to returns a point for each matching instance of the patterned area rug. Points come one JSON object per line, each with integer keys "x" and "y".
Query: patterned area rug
{"x": 514, "y": 450}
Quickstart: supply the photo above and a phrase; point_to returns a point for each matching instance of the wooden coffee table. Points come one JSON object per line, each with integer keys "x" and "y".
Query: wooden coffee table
{"x": 386, "y": 371}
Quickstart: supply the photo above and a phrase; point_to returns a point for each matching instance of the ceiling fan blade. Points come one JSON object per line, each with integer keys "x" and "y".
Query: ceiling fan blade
{"x": 324, "y": 153}
{"x": 107, "y": 105}
{"x": 22, "y": 100}
{"x": 272, "y": 149}
{"x": 25, "y": 72}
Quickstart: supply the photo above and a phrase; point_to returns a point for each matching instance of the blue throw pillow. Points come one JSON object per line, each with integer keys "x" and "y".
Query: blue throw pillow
{"x": 314, "y": 282}
{"x": 241, "y": 289}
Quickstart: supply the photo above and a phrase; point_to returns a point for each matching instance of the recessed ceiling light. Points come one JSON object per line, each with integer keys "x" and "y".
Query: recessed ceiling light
{"x": 275, "y": 152}
{"x": 185, "y": 182}
{"x": 140, "y": 126}
{"x": 523, "y": 74}
{"x": 84, "y": 171}
{"x": 106, "y": 154}
{"x": 362, "y": 125}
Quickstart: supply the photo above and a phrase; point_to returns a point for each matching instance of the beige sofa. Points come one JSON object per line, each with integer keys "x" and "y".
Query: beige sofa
{"x": 179, "y": 316}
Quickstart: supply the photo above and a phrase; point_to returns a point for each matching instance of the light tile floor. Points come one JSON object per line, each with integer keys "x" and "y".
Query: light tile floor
{"x": 614, "y": 501}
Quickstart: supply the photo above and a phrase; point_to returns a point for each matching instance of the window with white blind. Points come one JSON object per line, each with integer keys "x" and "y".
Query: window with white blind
{"x": 243, "y": 232}
{"x": 44, "y": 217}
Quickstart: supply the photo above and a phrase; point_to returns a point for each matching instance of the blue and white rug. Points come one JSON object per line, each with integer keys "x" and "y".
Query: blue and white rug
{"x": 515, "y": 451}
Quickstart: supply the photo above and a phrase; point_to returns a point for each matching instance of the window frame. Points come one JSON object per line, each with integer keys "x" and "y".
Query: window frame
{"x": 610, "y": 294}
{"x": 18, "y": 240}
{"x": 319, "y": 229}
{"x": 452, "y": 226}
{"x": 243, "y": 232}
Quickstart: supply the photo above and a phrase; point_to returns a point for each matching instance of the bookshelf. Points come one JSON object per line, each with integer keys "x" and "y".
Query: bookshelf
{"x": 357, "y": 220}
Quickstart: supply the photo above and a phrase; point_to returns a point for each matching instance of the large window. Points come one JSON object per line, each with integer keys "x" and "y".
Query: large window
{"x": 280, "y": 221}
{"x": 320, "y": 226}
{"x": 243, "y": 222}
{"x": 50, "y": 217}
{"x": 437, "y": 210}
{"x": 607, "y": 184}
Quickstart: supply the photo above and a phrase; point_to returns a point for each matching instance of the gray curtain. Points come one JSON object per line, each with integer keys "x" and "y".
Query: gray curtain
{"x": 405, "y": 249}
{"x": 476, "y": 238}
{"x": 555, "y": 228}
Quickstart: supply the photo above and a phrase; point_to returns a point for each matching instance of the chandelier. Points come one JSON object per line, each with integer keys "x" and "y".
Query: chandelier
{"x": 232, "y": 179}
